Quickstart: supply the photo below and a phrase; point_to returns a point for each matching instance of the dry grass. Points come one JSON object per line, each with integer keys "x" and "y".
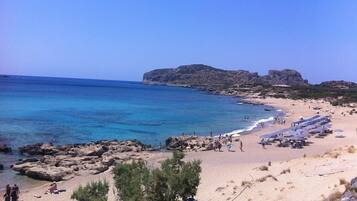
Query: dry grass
{"x": 336, "y": 196}
{"x": 263, "y": 179}
{"x": 343, "y": 182}
{"x": 263, "y": 168}
{"x": 286, "y": 171}
{"x": 333, "y": 154}
{"x": 246, "y": 183}
{"x": 351, "y": 149}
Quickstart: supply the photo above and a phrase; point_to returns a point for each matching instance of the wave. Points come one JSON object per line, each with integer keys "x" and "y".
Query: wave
{"x": 250, "y": 128}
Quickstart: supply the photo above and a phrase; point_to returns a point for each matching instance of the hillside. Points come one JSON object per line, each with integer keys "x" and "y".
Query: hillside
{"x": 199, "y": 75}
{"x": 277, "y": 83}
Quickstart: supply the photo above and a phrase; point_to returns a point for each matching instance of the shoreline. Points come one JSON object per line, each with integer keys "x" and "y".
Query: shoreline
{"x": 222, "y": 163}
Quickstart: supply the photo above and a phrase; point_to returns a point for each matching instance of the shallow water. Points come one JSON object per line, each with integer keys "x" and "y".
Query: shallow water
{"x": 62, "y": 111}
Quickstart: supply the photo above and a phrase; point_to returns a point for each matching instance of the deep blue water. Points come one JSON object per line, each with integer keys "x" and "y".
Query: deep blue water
{"x": 61, "y": 111}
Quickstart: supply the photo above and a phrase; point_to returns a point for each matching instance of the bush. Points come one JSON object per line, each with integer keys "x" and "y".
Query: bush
{"x": 94, "y": 191}
{"x": 175, "y": 180}
{"x": 131, "y": 180}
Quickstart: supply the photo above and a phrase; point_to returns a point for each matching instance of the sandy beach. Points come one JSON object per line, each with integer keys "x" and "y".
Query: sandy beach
{"x": 310, "y": 174}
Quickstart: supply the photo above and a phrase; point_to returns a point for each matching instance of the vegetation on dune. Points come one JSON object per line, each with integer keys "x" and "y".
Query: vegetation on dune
{"x": 175, "y": 180}
{"x": 335, "y": 96}
{"x": 94, "y": 191}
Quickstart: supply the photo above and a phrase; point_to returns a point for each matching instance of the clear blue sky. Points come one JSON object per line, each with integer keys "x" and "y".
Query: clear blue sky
{"x": 123, "y": 39}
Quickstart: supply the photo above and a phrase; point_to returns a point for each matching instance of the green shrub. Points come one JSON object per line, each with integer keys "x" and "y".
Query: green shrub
{"x": 94, "y": 191}
{"x": 131, "y": 180}
{"x": 175, "y": 180}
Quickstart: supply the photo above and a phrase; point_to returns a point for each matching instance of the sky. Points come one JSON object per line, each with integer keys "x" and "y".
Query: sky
{"x": 122, "y": 39}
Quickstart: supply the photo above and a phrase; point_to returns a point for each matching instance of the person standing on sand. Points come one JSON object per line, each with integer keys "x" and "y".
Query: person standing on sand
{"x": 15, "y": 193}
{"x": 7, "y": 193}
{"x": 241, "y": 145}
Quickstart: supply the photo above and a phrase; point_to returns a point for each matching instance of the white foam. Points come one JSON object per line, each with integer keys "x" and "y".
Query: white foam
{"x": 250, "y": 128}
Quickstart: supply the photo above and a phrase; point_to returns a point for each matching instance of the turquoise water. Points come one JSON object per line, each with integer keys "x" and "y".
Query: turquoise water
{"x": 61, "y": 111}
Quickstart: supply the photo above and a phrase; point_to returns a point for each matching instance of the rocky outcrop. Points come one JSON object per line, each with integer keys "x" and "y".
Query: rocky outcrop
{"x": 5, "y": 149}
{"x": 53, "y": 163}
{"x": 284, "y": 77}
{"x": 38, "y": 149}
{"x": 203, "y": 76}
{"x": 189, "y": 143}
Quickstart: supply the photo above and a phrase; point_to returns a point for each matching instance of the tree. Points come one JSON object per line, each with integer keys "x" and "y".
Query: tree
{"x": 94, "y": 191}
{"x": 175, "y": 180}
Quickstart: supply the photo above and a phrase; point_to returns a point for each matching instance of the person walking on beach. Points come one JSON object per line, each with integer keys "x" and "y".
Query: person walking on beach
{"x": 7, "y": 193}
{"x": 241, "y": 145}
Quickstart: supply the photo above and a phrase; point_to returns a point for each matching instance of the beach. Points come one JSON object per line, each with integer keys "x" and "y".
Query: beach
{"x": 314, "y": 171}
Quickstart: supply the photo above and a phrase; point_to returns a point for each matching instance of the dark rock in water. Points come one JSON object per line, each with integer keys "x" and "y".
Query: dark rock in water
{"x": 38, "y": 149}
{"x": 5, "y": 149}
{"x": 1, "y": 166}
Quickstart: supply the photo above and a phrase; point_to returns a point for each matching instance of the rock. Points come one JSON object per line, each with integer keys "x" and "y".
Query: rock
{"x": 25, "y": 160}
{"x": 284, "y": 77}
{"x": 1, "y": 166}
{"x": 5, "y": 149}
{"x": 48, "y": 173}
{"x": 38, "y": 149}
{"x": 189, "y": 143}
{"x": 60, "y": 163}
{"x": 93, "y": 150}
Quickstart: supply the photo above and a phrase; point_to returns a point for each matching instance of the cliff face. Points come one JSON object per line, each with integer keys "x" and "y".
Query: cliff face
{"x": 203, "y": 75}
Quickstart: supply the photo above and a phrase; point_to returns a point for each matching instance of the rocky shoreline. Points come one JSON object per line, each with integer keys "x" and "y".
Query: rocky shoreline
{"x": 44, "y": 161}
{"x": 55, "y": 163}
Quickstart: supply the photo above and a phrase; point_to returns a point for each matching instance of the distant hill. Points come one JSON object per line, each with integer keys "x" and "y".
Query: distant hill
{"x": 339, "y": 84}
{"x": 277, "y": 83}
{"x": 199, "y": 75}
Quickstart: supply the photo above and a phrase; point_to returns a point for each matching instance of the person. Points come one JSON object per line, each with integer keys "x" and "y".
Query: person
{"x": 53, "y": 188}
{"x": 230, "y": 145}
{"x": 219, "y": 145}
{"x": 241, "y": 145}
{"x": 7, "y": 193}
{"x": 15, "y": 193}
{"x": 263, "y": 143}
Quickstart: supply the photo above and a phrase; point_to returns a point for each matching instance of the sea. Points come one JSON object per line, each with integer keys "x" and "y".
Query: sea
{"x": 67, "y": 110}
